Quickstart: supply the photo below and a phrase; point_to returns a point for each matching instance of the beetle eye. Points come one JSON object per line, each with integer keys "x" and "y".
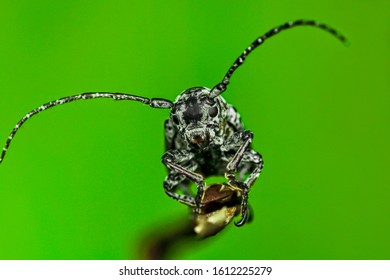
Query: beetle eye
{"x": 213, "y": 111}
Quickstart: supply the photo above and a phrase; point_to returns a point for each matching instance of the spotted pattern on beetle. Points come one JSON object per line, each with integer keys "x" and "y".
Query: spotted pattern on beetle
{"x": 204, "y": 135}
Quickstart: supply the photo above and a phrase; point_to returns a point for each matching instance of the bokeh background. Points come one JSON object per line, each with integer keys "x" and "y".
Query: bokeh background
{"x": 84, "y": 180}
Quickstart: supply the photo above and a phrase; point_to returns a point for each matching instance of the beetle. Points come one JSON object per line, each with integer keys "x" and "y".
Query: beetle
{"x": 204, "y": 135}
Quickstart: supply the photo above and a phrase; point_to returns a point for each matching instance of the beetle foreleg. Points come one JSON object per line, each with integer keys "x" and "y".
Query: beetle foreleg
{"x": 174, "y": 160}
{"x": 173, "y": 182}
{"x": 251, "y": 158}
{"x": 245, "y": 138}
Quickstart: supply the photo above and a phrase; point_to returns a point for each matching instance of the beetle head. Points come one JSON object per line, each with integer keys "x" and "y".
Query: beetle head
{"x": 199, "y": 118}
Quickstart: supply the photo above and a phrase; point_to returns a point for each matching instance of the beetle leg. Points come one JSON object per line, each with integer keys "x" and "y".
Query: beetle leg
{"x": 174, "y": 160}
{"x": 258, "y": 165}
{"x": 245, "y": 138}
{"x": 251, "y": 160}
{"x": 174, "y": 182}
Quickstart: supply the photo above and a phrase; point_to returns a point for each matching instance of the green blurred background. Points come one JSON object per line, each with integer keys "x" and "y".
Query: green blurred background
{"x": 84, "y": 181}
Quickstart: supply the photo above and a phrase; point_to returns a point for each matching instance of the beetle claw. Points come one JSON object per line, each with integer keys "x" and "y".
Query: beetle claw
{"x": 244, "y": 210}
{"x": 244, "y": 218}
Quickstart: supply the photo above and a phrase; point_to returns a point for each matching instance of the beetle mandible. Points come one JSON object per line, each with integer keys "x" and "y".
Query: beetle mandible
{"x": 204, "y": 135}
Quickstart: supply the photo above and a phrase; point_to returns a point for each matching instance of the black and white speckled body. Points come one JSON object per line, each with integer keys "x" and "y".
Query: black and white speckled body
{"x": 204, "y": 135}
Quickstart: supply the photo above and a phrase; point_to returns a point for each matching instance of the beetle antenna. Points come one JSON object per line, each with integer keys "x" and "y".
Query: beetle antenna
{"x": 153, "y": 102}
{"x": 221, "y": 87}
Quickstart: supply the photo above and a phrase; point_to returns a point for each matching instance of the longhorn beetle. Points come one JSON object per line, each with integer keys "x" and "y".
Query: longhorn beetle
{"x": 204, "y": 135}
